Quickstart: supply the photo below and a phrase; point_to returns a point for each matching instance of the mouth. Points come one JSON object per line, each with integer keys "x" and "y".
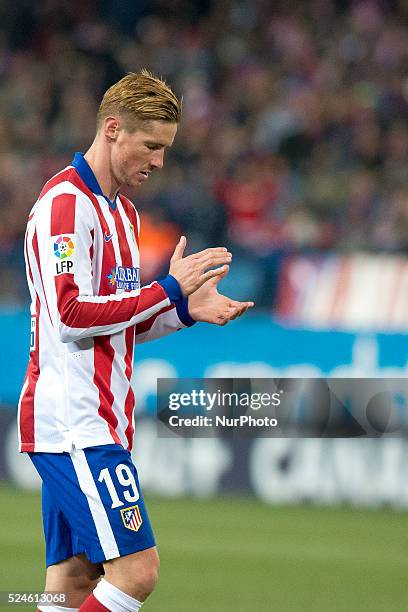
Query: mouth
{"x": 144, "y": 174}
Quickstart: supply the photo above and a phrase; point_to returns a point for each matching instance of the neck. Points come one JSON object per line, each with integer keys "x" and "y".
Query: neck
{"x": 98, "y": 159}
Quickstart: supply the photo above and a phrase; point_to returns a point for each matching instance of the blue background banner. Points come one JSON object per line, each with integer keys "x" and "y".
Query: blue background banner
{"x": 256, "y": 346}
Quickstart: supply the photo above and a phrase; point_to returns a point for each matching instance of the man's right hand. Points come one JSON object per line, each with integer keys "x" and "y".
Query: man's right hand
{"x": 192, "y": 271}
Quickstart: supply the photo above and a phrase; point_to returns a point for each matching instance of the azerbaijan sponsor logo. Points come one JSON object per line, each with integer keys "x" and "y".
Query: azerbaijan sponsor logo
{"x": 127, "y": 279}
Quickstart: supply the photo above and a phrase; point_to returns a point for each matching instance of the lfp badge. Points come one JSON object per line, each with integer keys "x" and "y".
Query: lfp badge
{"x": 63, "y": 249}
{"x": 132, "y": 518}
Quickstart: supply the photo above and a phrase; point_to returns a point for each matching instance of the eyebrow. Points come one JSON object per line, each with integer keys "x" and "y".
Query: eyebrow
{"x": 156, "y": 143}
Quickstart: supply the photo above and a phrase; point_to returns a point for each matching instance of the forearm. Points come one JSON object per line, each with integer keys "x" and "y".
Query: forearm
{"x": 86, "y": 316}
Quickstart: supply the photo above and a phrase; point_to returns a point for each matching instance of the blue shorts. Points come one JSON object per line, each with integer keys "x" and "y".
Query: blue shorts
{"x": 92, "y": 504}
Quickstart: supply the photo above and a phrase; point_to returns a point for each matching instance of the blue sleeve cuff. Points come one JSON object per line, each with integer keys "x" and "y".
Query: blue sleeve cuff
{"x": 175, "y": 295}
{"x": 172, "y": 288}
{"x": 183, "y": 314}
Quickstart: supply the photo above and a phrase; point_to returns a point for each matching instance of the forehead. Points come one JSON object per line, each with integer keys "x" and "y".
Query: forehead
{"x": 160, "y": 132}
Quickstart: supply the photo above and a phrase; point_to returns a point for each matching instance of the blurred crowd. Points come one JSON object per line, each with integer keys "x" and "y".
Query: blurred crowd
{"x": 294, "y": 134}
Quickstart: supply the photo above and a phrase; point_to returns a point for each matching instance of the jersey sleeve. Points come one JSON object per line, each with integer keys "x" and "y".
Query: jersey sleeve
{"x": 167, "y": 321}
{"x": 65, "y": 259}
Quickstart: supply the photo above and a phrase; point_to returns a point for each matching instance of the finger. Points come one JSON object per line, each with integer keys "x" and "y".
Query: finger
{"x": 212, "y": 273}
{"x": 179, "y": 250}
{"x": 212, "y": 262}
{"x": 214, "y": 281}
{"x": 207, "y": 253}
{"x": 242, "y": 311}
{"x": 236, "y": 304}
{"x": 245, "y": 305}
{"x": 213, "y": 257}
{"x": 237, "y": 309}
{"x": 237, "y": 312}
{"x": 232, "y": 303}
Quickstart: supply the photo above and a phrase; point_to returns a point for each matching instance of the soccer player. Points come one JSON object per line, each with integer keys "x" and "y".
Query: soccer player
{"x": 87, "y": 311}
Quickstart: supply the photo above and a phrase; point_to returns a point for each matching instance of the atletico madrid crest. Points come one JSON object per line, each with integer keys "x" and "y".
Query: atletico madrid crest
{"x": 131, "y": 518}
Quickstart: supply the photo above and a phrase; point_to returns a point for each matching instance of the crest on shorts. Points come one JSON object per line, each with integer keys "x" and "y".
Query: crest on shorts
{"x": 131, "y": 518}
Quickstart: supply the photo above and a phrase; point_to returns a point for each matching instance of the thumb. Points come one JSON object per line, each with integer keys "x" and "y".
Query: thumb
{"x": 179, "y": 250}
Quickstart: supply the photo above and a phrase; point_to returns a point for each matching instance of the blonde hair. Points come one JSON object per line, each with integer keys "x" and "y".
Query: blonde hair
{"x": 139, "y": 96}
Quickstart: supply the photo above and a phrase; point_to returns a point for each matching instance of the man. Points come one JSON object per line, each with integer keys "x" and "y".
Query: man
{"x": 87, "y": 310}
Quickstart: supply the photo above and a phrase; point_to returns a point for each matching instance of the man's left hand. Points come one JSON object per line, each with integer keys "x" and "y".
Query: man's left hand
{"x": 209, "y": 306}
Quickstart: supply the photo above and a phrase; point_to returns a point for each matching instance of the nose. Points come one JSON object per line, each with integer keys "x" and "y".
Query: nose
{"x": 157, "y": 159}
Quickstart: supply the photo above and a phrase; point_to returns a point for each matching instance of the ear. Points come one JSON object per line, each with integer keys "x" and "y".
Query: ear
{"x": 111, "y": 127}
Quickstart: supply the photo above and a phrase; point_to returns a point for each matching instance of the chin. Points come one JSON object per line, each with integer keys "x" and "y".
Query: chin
{"x": 133, "y": 183}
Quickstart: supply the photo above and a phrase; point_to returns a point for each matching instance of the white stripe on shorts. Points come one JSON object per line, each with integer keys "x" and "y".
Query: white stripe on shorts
{"x": 88, "y": 487}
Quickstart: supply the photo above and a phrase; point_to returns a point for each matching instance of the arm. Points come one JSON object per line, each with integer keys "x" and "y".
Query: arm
{"x": 67, "y": 276}
{"x": 75, "y": 310}
{"x": 170, "y": 319}
{"x": 82, "y": 316}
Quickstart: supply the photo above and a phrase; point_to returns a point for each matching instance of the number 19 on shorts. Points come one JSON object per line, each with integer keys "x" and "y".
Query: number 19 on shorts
{"x": 126, "y": 480}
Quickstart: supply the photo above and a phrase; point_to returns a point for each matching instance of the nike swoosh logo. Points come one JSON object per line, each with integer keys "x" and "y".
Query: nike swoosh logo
{"x": 108, "y": 236}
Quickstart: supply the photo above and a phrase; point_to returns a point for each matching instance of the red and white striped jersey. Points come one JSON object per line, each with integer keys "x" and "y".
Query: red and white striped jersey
{"x": 87, "y": 311}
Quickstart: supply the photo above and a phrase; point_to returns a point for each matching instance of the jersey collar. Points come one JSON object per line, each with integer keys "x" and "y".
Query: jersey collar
{"x": 85, "y": 172}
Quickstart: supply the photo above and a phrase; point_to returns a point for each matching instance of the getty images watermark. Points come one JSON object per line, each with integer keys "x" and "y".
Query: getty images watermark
{"x": 227, "y": 404}
{"x": 282, "y": 407}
